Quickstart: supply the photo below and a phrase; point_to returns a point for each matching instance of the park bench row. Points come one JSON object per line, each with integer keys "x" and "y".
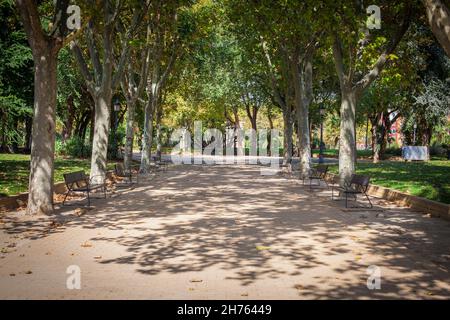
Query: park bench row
{"x": 357, "y": 185}
{"x": 79, "y": 182}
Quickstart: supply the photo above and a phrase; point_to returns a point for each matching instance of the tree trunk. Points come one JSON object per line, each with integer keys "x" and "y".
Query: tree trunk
{"x": 128, "y": 155}
{"x": 158, "y": 131}
{"x": 252, "y": 113}
{"x": 302, "y": 77}
{"x": 288, "y": 132}
{"x": 101, "y": 136}
{"x": 347, "y": 140}
{"x": 68, "y": 126}
{"x": 269, "y": 136}
{"x": 92, "y": 127}
{"x": 438, "y": 15}
{"x": 373, "y": 132}
{"x": 45, "y": 55}
{"x": 147, "y": 139}
{"x": 40, "y": 198}
{"x": 158, "y": 140}
{"x": 379, "y": 138}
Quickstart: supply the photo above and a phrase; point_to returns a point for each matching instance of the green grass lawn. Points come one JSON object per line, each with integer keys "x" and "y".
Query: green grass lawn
{"x": 429, "y": 180}
{"x": 333, "y": 153}
{"x": 14, "y": 171}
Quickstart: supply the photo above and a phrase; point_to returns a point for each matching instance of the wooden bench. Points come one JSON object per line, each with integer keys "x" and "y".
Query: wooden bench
{"x": 79, "y": 182}
{"x": 121, "y": 172}
{"x": 318, "y": 173}
{"x": 358, "y": 185}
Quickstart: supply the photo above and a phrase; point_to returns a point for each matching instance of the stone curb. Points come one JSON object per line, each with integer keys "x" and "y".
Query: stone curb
{"x": 434, "y": 208}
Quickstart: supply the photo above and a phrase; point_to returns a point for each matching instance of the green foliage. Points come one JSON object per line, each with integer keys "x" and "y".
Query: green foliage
{"x": 76, "y": 147}
{"x": 423, "y": 179}
{"x": 16, "y": 75}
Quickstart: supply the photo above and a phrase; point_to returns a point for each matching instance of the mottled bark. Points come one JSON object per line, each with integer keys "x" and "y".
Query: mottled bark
{"x": 158, "y": 131}
{"x": 40, "y": 200}
{"x": 347, "y": 138}
{"x": 101, "y": 136}
{"x": 45, "y": 48}
{"x": 288, "y": 133}
{"x": 438, "y": 16}
{"x": 103, "y": 76}
{"x": 252, "y": 114}
{"x": 352, "y": 89}
{"x": 147, "y": 138}
{"x": 302, "y": 78}
{"x": 128, "y": 155}
{"x": 281, "y": 101}
{"x": 155, "y": 84}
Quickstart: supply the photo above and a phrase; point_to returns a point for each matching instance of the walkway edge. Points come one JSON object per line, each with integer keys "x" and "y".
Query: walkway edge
{"x": 434, "y": 208}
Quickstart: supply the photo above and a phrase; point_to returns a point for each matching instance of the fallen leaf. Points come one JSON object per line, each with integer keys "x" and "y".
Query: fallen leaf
{"x": 12, "y": 274}
{"x": 86, "y": 245}
{"x": 29, "y": 272}
{"x": 80, "y": 211}
{"x": 97, "y": 257}
{"x": 244, "y": 295}
{"x": 196, "y": 280}
{"x": 54, "y": 224}
{"x": 262, "y": 248}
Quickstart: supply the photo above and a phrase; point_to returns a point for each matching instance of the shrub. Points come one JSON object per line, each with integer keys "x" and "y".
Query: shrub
{"x": 76, "y": 147}
{"x": 437, "y": 150}
{"x": 59, "y": 147}
{"x": 396, "y": 152}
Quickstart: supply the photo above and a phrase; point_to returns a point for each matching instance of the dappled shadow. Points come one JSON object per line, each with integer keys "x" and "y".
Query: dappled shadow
{"x": 251, "y": 228}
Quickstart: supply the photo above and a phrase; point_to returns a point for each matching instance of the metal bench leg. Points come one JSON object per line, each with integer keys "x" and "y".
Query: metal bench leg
{"x": 346, "y": 200}
{"x": 368, "y": 199}
{"x": 65, "y": 197}
{"x": 88, "y": 198}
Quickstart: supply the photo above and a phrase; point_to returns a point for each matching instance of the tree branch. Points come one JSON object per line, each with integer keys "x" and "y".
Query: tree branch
{"x": 30, "y": 18}
{"x": 367, "y": 80}
{"x": 83, "y": 66}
